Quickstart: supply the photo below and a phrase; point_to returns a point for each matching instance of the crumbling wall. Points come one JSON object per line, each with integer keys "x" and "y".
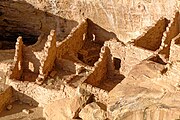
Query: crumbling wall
{"x": 49, "y": 57}
{"x": 133, "y": 57}
{"x": 31, "y": 63}
{"x": 17, "y": 67}
{"x": 39, "y": 58}
{"x": 33, "y": 54}
{"x": 172, "y": 31}
{"x": 117, "y": 49}
{"x": 100, "y": 68}
{"x": 151, "y": 39}
{"x": 129, "y": 55}
{"x": 99, "y": 94}
{"x": 175, "y": 49}
{"x": 38, "y": 95}
{"x": 74, "y": 42}
{"x": 98, "y": 34}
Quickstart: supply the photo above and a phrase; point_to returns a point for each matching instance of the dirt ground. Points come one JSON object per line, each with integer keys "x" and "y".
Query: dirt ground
{"x": 36, "y": 113}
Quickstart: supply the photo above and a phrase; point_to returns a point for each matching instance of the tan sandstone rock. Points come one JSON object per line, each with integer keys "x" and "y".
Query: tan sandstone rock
{"x": 65, "y": 109}
{"x": 92, "y": 111}
{"x": 5, "y": 96}
{"x": 137, "y": 91}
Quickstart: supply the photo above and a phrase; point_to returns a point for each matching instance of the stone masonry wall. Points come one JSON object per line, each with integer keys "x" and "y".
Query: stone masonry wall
{"x": 17, "y": 67}
{"x": 175, "y": 49}
{"x": 39, "y": 58}
{"x": 100, "y": 68}
{"x": 117, "y": 49}
{"x": 74, "y": 42}
{"x": 99, "y": 94}
{"x": 172, "y": 31}
{"x": 134, "y": 56}
{"x": 31, "y": 93}
{"x": 98, "y": 34}
{"x": 151, "y": 39}
{"x": 129, "y": 55}
{"x": 33, "y": 54}
{"x": 49, "y": 57}
{"x": 31, "y": 60}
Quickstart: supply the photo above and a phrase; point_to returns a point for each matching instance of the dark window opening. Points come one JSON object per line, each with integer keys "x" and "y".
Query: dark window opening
{"x": 80, "y": 56}
{"x": 117, "y": 63}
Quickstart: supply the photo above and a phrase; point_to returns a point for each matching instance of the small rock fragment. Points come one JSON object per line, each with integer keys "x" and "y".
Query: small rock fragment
{"x": 9, "y": 107}
{"x": 93, "y": 111}
{"x": 53, "y": 73}
{"x": 26, "y": 111}
{"x": 30, "y": 104}
{"x": 50, "y": 81}
{"x": 20, "y": 102}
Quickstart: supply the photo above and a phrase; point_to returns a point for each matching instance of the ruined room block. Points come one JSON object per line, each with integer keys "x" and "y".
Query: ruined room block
{"x": 16, "y": 68}
{"x": 100, "y": 70}
{"x": 74, "y": 41}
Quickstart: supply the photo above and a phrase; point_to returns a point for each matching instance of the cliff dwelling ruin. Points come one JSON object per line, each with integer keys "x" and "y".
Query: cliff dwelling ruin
{"x": 89, "y": 60}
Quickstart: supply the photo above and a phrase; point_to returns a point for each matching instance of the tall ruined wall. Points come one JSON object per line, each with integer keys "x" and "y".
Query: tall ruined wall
{"x": 126, "y": 18}
{"x": 100, "y": 68}
{"x": 17, "y": 67}
{"x": 33, "y": 54}
{"x": 31, "y": 63}
{"x": 175, "y": 49}
{"x": 49, "y": 54}
{"x": 151, "y": 39}
{"x": 172, "y": 31}
{"x": 129, "y": 55}
{"x": 39, "y": 58}
{"x": 74, "y": 42}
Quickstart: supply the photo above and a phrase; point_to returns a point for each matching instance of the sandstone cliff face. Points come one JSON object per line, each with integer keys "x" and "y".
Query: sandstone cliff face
{"x": 126, "y": 18}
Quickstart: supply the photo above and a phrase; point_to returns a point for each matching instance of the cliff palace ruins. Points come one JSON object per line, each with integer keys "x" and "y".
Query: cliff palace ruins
{"x": 89, "y": 60}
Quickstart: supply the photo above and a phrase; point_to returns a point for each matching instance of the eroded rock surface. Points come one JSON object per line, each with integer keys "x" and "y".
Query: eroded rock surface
{"x": 127, "y": 19}
{"x": 92, "y": 111}
{"x": 66, "y": 109}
